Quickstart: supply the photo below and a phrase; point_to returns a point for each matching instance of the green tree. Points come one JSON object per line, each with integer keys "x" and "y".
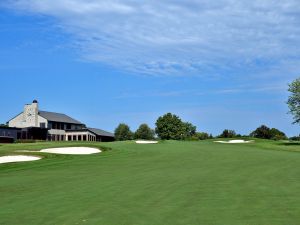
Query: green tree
{"x": 262, "y": 132}
{"x": 228, "y": 134}
{"x": 123, "y": 133}
{"x": 277, "y": 134}
{"x": 190, "y": 130}
{"x": 144, "y": 132}
{"x": 294, "y": 100}
{"x": 295, "y": 138}
{"x": 268, "y": 133}
{"x": 170, "y": 127}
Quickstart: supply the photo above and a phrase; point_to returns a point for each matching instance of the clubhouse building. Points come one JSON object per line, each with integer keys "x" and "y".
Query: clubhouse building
{"x": 34, "y": 124}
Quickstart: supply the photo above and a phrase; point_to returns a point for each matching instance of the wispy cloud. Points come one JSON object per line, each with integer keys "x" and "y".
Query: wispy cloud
{"x": 271, "y": 89}
{"x": 179, "y": 37}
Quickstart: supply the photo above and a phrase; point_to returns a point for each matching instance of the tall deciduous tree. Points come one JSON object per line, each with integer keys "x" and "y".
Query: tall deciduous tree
{"x": 144, "y": 132}
{"x": 267, "y": 133}
{"x": 171, "y": 127}
{"x": 262, "y": 132}
{"x": 294, "y": 99}
{"x": 228, "y": 134}
{"x": 123, "y": 133}
{"x": 190, "y": 129}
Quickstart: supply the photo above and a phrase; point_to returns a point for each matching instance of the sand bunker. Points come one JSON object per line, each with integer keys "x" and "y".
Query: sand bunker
{"x": 72, "y": 150}
{"x": 18, "y": 158}
{"x": 234, "y": 141}
{"x": 146, "y": 142}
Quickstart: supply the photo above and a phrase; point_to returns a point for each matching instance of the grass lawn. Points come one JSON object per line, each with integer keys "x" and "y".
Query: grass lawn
{"x": 188, "y": 183}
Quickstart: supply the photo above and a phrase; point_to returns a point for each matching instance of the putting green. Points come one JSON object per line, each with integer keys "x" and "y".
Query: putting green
{"x": 167, "y": 183}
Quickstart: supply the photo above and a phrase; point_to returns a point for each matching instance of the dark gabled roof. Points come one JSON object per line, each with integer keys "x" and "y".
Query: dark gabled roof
{"x": 58, "y": 117}
{"x": 101, "y": 132}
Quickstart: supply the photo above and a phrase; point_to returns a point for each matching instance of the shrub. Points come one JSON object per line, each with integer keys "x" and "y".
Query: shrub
{"x": 25, "y": 141}
{"x": 203, "y": 136}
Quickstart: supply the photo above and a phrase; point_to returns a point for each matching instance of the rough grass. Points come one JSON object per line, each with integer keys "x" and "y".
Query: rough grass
{"x": 167, "y": 183}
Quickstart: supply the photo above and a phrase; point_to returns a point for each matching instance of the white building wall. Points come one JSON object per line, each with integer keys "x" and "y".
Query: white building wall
{"x": 28, "y": 118}
{"x": 42, "y": 120}
{"x": 56, "y": 132}
{"x": 77, "y": 134}
{"x": 18, "y": 121}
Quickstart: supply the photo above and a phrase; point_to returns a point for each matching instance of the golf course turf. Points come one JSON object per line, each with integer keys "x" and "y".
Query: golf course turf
{"x": 169, "y": 183}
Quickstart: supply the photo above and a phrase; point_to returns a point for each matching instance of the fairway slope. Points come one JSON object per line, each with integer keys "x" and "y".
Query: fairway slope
{"x": 170, "y": 183}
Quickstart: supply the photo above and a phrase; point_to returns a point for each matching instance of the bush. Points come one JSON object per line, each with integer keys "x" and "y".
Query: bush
{"x": 203, "y": 136}
{"x": 123, "y": 133}
{"x": 25, "y": 141}
{"x": 6, "y": 140}
{"x": 199, "y": 136}
{"x": 144, "y": 132}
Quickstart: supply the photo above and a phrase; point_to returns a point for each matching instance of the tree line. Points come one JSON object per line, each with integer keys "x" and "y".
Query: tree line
{"x": 171, "y": 127}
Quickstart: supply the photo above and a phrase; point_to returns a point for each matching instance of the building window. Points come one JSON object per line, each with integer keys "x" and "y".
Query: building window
{"x": 74, "y": 138}
{"x": 62, "y": 137}
{"x": 79, "y": 137}
{"x": 42, "y": 125}
{"x": 69, "y": 138}
{"x": 84, "y": 137}
{"x": 68, "y": 126}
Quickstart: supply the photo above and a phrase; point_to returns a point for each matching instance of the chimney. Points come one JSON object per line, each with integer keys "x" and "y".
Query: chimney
{"x": 31, "y": 114}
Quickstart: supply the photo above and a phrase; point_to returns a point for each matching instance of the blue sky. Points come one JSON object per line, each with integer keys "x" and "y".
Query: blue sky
{"x": 221, "y": 64}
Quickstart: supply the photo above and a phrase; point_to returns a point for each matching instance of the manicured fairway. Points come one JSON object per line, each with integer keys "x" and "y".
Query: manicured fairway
{"x": 170, "y": 183}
